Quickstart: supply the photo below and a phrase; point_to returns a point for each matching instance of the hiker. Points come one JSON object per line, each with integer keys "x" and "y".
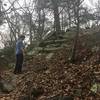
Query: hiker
{"x": 19, "y": 55}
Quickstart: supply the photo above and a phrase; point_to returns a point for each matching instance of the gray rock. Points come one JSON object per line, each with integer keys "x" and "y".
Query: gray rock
{"x": 49, "y": 56}
{"x": 6, "y": 87}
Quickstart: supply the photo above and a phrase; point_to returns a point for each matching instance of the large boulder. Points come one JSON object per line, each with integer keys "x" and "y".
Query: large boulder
{"x": 6, "y": 87}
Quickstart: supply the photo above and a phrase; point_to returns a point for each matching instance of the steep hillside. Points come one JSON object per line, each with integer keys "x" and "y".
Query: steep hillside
{"x": 49, "y": 75}
{"x": 54, "y": 79}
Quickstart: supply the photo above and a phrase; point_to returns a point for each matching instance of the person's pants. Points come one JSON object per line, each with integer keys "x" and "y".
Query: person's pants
{"x": 19, "y": 63}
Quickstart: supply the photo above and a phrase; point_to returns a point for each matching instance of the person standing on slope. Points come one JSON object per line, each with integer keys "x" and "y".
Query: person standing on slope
{"x": 19, "y": 55}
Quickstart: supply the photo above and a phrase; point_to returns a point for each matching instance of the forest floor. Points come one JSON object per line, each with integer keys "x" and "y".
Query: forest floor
{"x": 52, "y": 76}
{"x": 55, "y": 78}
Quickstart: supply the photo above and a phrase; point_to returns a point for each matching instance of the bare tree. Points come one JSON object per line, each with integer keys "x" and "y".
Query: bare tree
{"x": 77, "y": 21}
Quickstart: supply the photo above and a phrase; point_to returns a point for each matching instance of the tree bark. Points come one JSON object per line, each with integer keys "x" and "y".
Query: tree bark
{"x": 56, "y": 16}
{"x": 30, "y": 29}
{"x": 73, "y": 58}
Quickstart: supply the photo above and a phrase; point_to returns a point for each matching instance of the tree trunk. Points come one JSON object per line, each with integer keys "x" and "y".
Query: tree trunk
{"x": 62, "y": 20}
{"x": 30, "y": 29}
{"x": 56, "y": 16}
{"x": 69, "y": 17}
{"x": 73, "y": 58}
{"x": 43, "y": 22}
{"x": 39, "y": 25}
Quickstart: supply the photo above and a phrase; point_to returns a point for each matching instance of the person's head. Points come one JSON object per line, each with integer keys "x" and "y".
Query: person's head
{"x": 22, "y": 37}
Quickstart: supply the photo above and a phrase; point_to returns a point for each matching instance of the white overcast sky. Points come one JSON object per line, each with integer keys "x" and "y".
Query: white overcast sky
{"x": 90, "y": 3}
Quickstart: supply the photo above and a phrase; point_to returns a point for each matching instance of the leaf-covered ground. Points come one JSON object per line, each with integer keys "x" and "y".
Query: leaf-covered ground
{"x": 56, "y": 78}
